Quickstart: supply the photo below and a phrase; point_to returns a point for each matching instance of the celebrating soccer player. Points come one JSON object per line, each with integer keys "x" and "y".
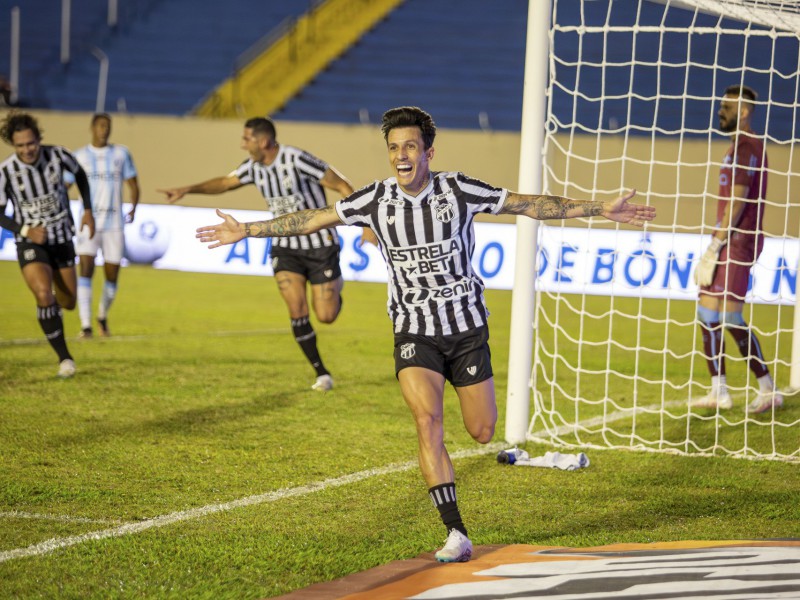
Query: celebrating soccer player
{"x": 291, "y": 179}
{"x": 32, "y": 179}
{"x": 423, "y": 220}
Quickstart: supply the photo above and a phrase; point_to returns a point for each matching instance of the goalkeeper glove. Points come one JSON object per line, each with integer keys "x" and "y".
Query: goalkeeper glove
{"x": 704, "y": 273}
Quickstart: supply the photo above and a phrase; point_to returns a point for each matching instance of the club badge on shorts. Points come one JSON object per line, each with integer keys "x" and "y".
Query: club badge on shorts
{"x": 407, "y": 351}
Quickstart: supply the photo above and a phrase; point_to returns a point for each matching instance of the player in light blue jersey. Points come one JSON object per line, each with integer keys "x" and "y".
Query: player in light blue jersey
{"x": 107, "y": 166}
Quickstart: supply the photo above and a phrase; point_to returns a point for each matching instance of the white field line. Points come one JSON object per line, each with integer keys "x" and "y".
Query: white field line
{"x": 137, "y": 338}
{"x": 16, "y": 514}
{"x": 204, "y": 511}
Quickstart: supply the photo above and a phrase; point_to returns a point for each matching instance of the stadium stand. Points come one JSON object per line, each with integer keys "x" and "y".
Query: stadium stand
{"x": 164, "y": 56}
{"x": 462, "y": 62}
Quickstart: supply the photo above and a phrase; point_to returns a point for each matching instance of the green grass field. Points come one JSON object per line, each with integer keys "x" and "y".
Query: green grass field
{"x": 189, "y": 459}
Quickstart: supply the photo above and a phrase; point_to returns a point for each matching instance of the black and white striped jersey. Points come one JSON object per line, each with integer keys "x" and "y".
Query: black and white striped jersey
{"x": 291, "y": 183}
{"x": 427, "y": 242}
{"x": 38, "y": 192}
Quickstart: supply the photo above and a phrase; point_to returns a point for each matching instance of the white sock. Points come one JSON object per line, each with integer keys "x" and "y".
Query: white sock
{"x": 765, "y": 383}
{"x": 85, "y": 301}
{"x": 719, "y": 385}
{"x": 109, "y": 293}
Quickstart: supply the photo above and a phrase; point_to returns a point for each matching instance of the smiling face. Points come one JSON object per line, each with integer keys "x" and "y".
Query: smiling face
{"x": 26, "y": 145}
{"x": 409, "y": 159}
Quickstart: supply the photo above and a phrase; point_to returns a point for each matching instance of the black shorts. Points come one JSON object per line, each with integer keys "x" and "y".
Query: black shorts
{"x": 462, "y": 358}
{"x": 318, "y": 265}
{"x": 58, "y": 256}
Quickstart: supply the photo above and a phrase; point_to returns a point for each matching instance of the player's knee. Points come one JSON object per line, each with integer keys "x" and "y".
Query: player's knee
{"x": 707, "y": 316}
{"x": 430, "y": 426}
{"x": 327, "y": 316}
{"x": 733, "y": 320}
{"x": 482, "y": 432}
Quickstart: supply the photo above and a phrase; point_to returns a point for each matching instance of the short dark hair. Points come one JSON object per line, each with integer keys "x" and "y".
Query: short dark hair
{"x": 18, "y": 121}
{"x": 97, "y": 116}
{"x": 262, "y": 126}
{"x": 409, "y": 116}
{"x": 742, "y": 91}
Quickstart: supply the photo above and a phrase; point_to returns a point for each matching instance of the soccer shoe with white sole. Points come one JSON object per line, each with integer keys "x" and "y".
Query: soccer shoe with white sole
{"x": 66, "y": 368}
{"x": 86, "y": 333}
{"x": 457, "y": 548}
{"x": 323, "y": 383}
{"x": 765, "y": 401}
{"x": 713, "y": 400}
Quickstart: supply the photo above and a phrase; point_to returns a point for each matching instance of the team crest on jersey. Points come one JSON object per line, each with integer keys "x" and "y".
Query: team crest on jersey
{"x": 286, "y": 180}
{"x": 52, "y": 174}
{"x": 444, "y": 212}
{"x": 408, "y": 351}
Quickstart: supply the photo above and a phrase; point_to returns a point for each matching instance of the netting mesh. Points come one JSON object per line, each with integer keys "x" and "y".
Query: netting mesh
{"x": 634, "y": 90}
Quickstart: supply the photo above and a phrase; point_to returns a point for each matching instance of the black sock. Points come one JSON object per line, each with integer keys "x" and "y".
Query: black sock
{"x": 53, "y": 327}
{"x": 304, "y": 335}
{"x": 444, "y": 499}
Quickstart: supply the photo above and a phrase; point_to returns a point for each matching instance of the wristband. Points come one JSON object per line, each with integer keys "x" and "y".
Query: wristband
{"x": 716, "y": 244}
{"x": 24, "y": 231}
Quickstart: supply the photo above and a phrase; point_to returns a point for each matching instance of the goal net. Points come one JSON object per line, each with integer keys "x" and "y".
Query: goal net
{"x": 633, "y": 90}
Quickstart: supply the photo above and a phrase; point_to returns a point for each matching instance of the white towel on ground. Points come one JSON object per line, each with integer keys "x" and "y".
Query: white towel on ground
{"x": 555, "y": 460}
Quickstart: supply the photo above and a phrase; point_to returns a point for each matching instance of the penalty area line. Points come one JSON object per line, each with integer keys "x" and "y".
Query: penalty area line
{"x": 203, "y": 511}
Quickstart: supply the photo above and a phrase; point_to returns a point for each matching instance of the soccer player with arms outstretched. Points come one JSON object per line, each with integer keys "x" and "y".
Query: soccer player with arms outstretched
{"x": 424, "y": 222}
{"x": 291, "y": 180}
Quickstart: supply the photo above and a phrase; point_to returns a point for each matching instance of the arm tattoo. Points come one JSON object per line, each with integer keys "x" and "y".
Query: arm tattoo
{"x": 552, "y": 207}
{"x": 285, "y": 225}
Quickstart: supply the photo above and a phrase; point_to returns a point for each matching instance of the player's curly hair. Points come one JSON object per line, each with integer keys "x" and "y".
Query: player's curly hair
{"x": 409, "y": 116}
{"x": 18, "y": 121}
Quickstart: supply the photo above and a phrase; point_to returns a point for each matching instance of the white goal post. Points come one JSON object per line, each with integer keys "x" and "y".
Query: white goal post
{"x": 605, "y": 350}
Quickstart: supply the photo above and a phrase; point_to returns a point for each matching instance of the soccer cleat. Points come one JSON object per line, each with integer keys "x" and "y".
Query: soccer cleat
{"x": 765, "y": 401}
{"x": 457, "y": 548}
{"x": 86, "y": 333}
{"x": 66, "y": 368}
{"x": 104, "y": 332}
{"x": 323, "y": 383}
{"x": 713, "y": 400}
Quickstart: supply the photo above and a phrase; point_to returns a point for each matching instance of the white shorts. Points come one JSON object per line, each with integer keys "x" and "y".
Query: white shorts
{"x": 111, "y": 243}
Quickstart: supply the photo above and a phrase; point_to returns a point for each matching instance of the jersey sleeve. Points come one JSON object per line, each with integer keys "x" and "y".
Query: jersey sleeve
{"x": 483, "y": 197}
{"x": 311, "y": 166}
{"x": 244, "y": 172}
{"x": 358, "y": 207}
{"x": 68, "y": 160}
{"x": 128, "y": 168}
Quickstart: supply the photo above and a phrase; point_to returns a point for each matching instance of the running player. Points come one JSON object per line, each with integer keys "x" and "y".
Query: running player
{"x": 291, "y": 179}
{"x": 424, "y": 222}
{"x": 32, "y": 180}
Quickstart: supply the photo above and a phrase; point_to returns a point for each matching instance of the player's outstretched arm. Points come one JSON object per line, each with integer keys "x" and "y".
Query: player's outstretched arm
{"x": 622, "y": 211}
{"x": 302, "y": 222}
{"x": 558, "y": 207}
{"x": 218, "y": 185}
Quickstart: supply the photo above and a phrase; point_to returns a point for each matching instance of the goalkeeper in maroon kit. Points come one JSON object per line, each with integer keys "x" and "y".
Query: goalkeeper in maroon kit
{"x": 723, "y": 273}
